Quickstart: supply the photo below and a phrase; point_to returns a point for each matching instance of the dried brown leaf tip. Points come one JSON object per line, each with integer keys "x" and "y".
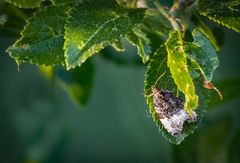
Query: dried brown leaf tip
{"x": 209, "y": 85}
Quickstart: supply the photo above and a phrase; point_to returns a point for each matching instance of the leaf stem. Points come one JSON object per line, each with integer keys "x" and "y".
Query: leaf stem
{"x": 167, "y": 14}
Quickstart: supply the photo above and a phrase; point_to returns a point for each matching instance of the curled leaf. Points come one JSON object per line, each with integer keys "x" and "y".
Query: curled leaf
{"x": 177, "y": 63}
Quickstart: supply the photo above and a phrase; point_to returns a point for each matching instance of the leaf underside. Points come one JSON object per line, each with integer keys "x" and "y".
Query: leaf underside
{"x": 139, "y": 39}
{"x": 203, "y": 54}
{"x": 202, "y": 27}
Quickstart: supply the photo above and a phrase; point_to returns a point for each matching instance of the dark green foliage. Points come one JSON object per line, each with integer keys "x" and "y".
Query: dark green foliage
{"x": 42, "y": 38}
{"x": 108, "y": 23}
{"x": 77, "y": 82}
{"x": 224, "y": 12}
{"x": 180, "y": 50}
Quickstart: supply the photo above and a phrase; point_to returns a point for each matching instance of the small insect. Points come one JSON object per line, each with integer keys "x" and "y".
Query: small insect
{"x": 170, "y": 111}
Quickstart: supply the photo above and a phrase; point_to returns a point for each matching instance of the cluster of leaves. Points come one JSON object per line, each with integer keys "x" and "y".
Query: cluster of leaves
{"x": 174, "y": 43}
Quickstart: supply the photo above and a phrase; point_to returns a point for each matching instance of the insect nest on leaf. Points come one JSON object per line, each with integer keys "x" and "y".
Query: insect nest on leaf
{"x": 170, "y": 111}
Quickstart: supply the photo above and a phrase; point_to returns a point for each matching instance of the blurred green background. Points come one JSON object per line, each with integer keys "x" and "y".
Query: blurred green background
{"x": 40, "y": 124}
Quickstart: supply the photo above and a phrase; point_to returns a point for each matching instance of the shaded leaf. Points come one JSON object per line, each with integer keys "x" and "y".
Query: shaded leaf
{"x": 42, "y": 38}
{"x": 63, "y": 2}
{"x": 155, "y": 22}
{"x": 224, "y": 12}
{"x": 139, "y": 39}
{"x": 157, "y": 27}
{"x": 13, "y": 20}
{"x": 48, "y": 72}
{"x": 177, "y": 63}
{"x": 203, "y": 54}
{"x": 92, "y": 25}
{"x": 201, "y": 26}
{"x": 224, "y": 8}
{"x": 77, "y": 82}
{"x": 219, "y": 34}
{"x": 25, "y": 3}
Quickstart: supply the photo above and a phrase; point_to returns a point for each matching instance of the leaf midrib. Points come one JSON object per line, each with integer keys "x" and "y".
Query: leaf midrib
{"x": 100, "y": 28}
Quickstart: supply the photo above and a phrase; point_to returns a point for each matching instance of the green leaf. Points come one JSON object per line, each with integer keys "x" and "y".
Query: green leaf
{"x": 63, "y": 2}
{"x": 157, "y": 27}
{"x": 156, "y": 23}
{"x": 118, "y": 46}
{"x": 139, "y": 39}
{"x": 92, "y": 25}
{"x": 177, "y": 63}
{"x": 42, "y": 38}
{"x": 201, "y": 26}
{"x": 156, "y": 68}
{"x": 201, "y": 52}
{"x": 224, "y": 12}
{"x": 77, "y": 82}
{"x": 225, "y": 8}
{"x": 25, "y": 3}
